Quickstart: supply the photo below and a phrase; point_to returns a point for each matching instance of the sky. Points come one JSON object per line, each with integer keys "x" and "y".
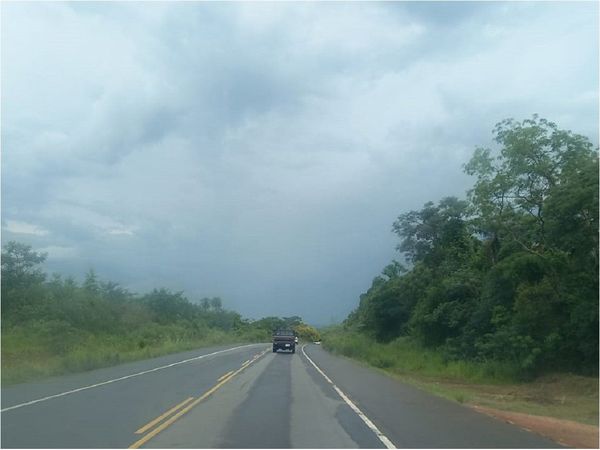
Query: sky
{"x": 260, "y": 152}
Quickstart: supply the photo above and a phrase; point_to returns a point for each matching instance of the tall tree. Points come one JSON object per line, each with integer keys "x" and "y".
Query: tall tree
{"x": 512, "y": 189}
{"x": 20, "y": 265}
{"x": 21, "y": 276}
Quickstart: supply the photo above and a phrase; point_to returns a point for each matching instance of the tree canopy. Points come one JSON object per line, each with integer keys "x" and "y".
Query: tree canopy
{"x": 511, "y": 272}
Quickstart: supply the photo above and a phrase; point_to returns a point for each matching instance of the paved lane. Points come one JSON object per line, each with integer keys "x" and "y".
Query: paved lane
{"x": 280, "y": 402}
{"x": 246, "y": 397}
{"x": 108, "y": 415}
{"x": 412, "y": 418}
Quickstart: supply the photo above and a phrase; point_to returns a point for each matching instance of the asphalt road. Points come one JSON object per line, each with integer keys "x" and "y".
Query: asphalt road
{"x": 244, "y": 397}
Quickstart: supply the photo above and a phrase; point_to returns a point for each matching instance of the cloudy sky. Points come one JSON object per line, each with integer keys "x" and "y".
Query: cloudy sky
{"x": 260, "y": 152}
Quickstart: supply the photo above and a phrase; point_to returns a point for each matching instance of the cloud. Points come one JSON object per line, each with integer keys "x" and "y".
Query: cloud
{"x": 260, "y": 151}
{"x": 118, "y": 232}
{"x": 16, "y": 227}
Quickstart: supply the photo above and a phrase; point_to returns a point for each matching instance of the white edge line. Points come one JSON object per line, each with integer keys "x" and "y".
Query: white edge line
{"x": 62, "y": 394}
{"x": 382, "y": 437}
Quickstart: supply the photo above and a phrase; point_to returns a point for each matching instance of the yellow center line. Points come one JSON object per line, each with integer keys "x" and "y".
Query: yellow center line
{"x": 225, "y": 376}
{"x": 161, "y": 417}
{"x": 185, "y": 410}
{"x": 246, "y": 362}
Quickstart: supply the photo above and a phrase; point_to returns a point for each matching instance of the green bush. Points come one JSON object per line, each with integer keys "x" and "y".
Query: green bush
{"x": 406, "y": 356}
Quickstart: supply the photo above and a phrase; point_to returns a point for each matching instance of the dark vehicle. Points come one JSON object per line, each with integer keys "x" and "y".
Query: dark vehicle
{"x": 284, "y": 340}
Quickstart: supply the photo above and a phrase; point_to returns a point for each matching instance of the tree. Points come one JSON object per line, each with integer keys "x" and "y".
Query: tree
{"x": 536, "y": 207}
{"x": 21, "y": 279}
{"x": 307, "y": 333}
{"x": 167, "y": 306}
{"x": 435, "y": 233}
{"x": 216, "y": 303}
{"x": 205, "y": 303}
{"x": 386, "y": 308}
{"x": 513, "y": 188}
{"x": 572, "y": 211}
{"x": 20, "y": 266}
{"x": 90, "y": 283}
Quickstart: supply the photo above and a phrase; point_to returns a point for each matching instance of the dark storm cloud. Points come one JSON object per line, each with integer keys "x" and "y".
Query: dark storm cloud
{"x": 261, "y": 151}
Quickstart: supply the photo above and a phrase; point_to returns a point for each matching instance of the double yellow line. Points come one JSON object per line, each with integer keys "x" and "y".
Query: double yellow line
{"x": 187, "y": 405}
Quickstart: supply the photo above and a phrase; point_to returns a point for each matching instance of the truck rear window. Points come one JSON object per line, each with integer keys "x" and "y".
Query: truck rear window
{"x": 284, "y": 333}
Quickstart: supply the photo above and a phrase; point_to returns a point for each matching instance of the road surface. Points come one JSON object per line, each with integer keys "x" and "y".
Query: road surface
{"x": 244, "y": 397}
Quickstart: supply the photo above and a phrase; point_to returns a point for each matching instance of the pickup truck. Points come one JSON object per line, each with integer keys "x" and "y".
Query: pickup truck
{"x": 284, "y": 340}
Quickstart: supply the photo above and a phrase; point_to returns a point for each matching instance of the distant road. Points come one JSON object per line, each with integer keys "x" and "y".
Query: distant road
{"x": 243, "y": 397}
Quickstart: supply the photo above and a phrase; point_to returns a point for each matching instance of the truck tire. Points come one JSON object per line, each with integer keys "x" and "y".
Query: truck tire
{"x": 294, "y": 350}
{"x": 274, "y": 349}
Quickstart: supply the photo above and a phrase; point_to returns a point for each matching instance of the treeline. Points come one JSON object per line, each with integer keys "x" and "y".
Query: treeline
{"x": 52, "y": 325}
{"x": 508, "y": 275}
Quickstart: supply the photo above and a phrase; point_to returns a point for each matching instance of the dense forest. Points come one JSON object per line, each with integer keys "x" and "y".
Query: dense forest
{"x": 52, "y": 325}
{"x": 511, "y": 273}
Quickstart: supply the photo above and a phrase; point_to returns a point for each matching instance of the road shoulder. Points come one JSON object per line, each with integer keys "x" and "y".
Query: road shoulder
{"x": 565, "y": 432}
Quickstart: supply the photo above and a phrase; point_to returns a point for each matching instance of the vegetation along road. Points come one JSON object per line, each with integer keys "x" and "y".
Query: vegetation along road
{"x": 243, "y": 397}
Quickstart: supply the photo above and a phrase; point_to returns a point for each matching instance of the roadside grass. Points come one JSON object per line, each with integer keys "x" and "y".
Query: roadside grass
{"x": 562, "y": 396}
{"x": 491, "y": 384}
{"x": 403, "y": 356}
{"x": 28, "y": 356}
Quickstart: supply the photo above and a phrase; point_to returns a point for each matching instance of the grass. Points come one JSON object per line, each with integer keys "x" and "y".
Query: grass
{"x": 28, "y": 355}
{"x": 403, "y": 356}
{"x": 491, "y": 384}
{"x": 563, "y": 396}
